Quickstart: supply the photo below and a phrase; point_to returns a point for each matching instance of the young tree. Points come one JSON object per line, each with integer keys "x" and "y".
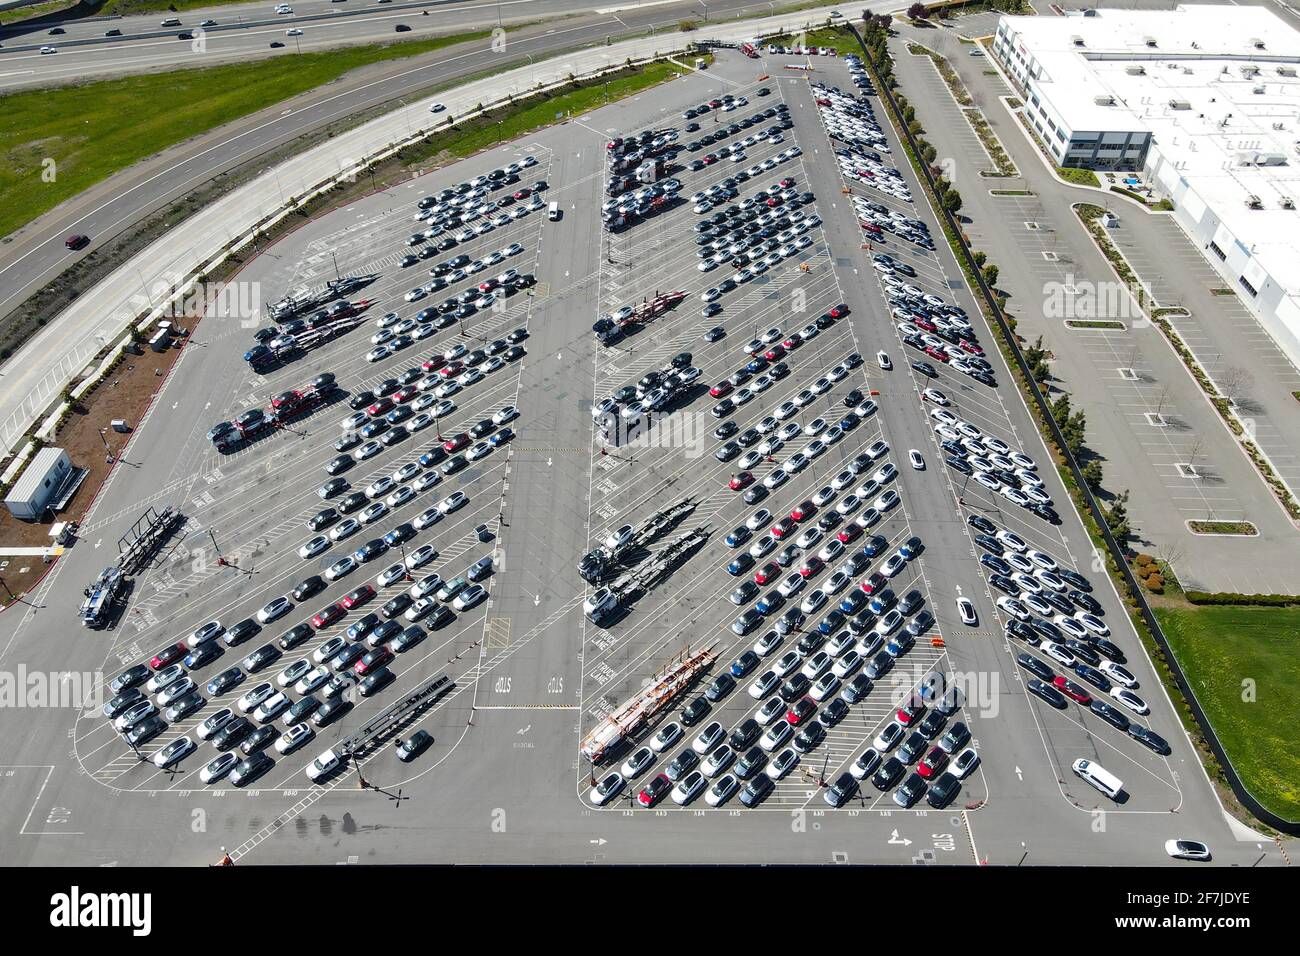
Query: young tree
{"x": 1117, "y": 517}
{"x": 1033, "y": 353}
{"x": 1073, "y": 430}
{"x": 1060, "y": 409}
{"x": 1092, "y": 474}
{"x": 952, "y": 200}
{"x": 990, "y": 275}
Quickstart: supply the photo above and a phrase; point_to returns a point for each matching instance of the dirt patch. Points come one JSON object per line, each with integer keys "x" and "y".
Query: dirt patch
{"x": 125, "y": 393}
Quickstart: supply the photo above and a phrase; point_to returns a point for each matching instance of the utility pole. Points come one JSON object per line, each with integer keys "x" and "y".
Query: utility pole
{"x": 221, "y": 559}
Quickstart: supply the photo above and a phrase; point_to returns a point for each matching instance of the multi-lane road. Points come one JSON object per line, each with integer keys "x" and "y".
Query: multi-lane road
{"x": 503, "y": 781}
{"x": 246, "y": 31}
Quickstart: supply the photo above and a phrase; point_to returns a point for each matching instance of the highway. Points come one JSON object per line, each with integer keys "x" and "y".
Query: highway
{"x": 247, "y": 31}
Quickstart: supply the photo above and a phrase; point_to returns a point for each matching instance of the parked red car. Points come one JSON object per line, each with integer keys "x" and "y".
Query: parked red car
{"x": 804, "y": 510}
{"x": 874, "y": 582}
{"x": 782, "y": 528}
{"x": 932, "y": 764}
{"x": 168, "y": 654}
{"x": 654, "y": 791}
{"x": 811, "y": 566}
{"x": 327, "y": 616}
{"x": 358, "y": 597}
{"x": 741, "y": 481}
{"x": 1072, "y": 690}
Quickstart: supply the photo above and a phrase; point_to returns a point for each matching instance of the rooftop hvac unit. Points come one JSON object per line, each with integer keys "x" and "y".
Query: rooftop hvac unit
{"x": 1104, "y": 100}
{"x": 1248, "y": 72}
{"x": 1149, "y": 41}
{"x": 1257, "y": 43}
{"x": 1286, "y": 71}
{"x": 1288, "y": 202}
{"x": 1180, "y": 104}
{"x": 1258, "y": 90}
{"x": 1253, "y": 202}
{"x": 1076, "y": 40}
{"x": 1135, "y": 70}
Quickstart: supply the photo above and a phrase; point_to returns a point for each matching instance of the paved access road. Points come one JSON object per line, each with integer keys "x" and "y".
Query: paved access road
{"x": 1146, "y": 414}
{"x": 502, "y": 781}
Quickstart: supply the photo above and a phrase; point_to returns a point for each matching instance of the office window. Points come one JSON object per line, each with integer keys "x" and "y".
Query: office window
{"x": 1248, "y": 287}
{"x": 1214, "y": 247}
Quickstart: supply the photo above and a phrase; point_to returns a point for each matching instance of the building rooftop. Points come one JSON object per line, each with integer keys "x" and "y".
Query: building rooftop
{"x": 1217, "y": 87}
{"x": 34, "y": 474}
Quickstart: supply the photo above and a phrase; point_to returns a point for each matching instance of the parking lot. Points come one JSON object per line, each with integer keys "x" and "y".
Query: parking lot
{"x": 529, "y": 673}
{"x": 1149, "y": 420}
{"x": 634, "y": 479}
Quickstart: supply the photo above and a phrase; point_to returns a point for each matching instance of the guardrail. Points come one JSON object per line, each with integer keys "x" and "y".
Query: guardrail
{"x": 1112, "y": 545}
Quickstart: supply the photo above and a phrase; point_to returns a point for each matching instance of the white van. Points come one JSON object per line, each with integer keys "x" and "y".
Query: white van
{"x": 553, "y": 211}
{"x": 1099, "y": 777}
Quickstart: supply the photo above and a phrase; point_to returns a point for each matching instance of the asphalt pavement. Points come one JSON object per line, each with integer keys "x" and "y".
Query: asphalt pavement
{"x": 503, "y": 781}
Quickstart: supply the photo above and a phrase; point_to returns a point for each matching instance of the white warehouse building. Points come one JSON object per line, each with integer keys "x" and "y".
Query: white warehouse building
{"x": 1204, "y": 101}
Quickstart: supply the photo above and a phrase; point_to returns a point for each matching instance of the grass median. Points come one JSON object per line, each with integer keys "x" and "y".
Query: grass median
{"x": 1242, "y": 664}
{"x": 529, "y": 113}
{"x": 20, "y": 14}
{"x": 57, "y": 143}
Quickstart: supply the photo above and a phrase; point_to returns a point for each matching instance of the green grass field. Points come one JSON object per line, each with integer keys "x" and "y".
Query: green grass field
{"x": 1080, "y": 177}
{"x": 35, "y": 10}
{"x": 1220, "y": 650}
{"x": 128, "y": 8}
{"x": 93, "y": 130}
{"x": 503, "y": 125}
